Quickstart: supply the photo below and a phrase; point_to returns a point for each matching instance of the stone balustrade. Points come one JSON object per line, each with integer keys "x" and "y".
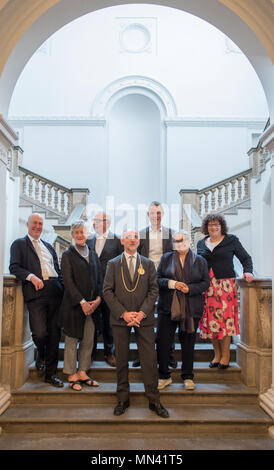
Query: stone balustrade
{"x": 16, "y": 343}
{"x": 254, "y": 350}
{"x": 42, "y": 191}
{"x": 219, "y": 196}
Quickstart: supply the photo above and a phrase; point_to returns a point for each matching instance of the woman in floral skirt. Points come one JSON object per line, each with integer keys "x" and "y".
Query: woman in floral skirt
{"x": 220, "y": 319}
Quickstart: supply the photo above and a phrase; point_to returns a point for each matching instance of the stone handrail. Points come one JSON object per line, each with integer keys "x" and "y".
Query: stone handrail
{"x": 48, "y": 194}
{"x": 219, "y": 196}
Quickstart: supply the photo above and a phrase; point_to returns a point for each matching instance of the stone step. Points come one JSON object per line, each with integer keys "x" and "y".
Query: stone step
{"x": 202, "y": 352}
{"x": 102, "y": 372}
{"x": 187, "y": 418}
{"x": 35, "y": 392}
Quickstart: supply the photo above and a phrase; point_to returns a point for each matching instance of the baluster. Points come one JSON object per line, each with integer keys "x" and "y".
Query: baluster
{"x": 200, "y": 204}
{"x": 206, "y": 201}
{"x": 213, "y": 199}
{"x": 220, "y": 197}
{"x": 49, "y": 186}
{"x": 56, "y": 198}
{"x": 239, "y": 179}
{"x": 36, "y": 189}
{"x": 233, "y": 191}
{"x": 43, "y": 192}
{"x": 226, "y": 194}
{"x": 30, "y": 186}
{"x": 23, "y": 184}
{"x": 62, "y": 201}
{"x": 247, "y": 185}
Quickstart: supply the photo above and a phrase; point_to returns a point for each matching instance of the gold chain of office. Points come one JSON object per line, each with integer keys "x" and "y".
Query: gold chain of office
{"x": 141, "y": 271}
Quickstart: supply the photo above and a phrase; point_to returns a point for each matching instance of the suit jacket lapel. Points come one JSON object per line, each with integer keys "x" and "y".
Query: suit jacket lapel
{"x": 30, "y": 245}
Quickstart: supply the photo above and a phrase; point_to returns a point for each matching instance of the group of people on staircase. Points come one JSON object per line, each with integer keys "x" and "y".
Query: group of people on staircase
{"x": 109, "y": 285}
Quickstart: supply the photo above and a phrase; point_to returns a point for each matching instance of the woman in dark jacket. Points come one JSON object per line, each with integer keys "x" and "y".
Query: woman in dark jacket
{"x": 220, "y": 319}
{"x": 182, "y": 278}
{"x": 79, "y": 310}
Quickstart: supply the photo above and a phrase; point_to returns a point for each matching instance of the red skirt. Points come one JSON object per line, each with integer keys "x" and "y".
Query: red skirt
{"x": 220, "y": 316}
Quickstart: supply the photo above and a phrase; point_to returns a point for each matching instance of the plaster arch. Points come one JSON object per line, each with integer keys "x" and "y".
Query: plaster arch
{"x": 134, "y": 84}
{"x": 26, "y": 24}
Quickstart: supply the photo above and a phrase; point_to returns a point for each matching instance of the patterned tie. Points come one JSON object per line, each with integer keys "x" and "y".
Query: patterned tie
{"x": 37, "y": 247}
{"x": 131, "y": 267}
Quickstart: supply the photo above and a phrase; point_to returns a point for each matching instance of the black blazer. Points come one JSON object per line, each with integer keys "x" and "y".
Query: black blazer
{"x": 24, "y": 261}
{"x": 112, "y": 248}
{"x": 82, "y": 280}
{"x": 220, "y": 259}
{"x": 198, "y": 284}
{"x": 143, "y": 248}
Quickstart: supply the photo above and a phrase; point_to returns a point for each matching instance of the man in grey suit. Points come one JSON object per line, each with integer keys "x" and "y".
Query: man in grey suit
{"x": 107, "y": 246}
{"x": 130, "y": 290}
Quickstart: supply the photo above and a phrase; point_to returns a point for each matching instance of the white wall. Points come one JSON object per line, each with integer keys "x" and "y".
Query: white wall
{"x": 206, "y": 74}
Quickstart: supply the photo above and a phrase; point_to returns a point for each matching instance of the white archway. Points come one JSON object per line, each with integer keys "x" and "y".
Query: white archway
{"x": 212, "y": 11}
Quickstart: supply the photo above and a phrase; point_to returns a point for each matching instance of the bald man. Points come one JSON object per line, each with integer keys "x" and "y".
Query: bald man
{"x": 34, "y": 262}
{"x": 130, "y": 290}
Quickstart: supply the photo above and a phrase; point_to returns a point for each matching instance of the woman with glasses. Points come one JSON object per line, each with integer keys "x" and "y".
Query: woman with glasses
{"x": 220, "y": 319}
{"x": 182, "y": 279}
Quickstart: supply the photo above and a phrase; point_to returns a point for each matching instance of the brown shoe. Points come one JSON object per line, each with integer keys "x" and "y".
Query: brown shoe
{"x": 111, "y": 360}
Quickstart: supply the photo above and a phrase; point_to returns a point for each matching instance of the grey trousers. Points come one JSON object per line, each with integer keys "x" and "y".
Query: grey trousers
{"x": 85, "y": 349}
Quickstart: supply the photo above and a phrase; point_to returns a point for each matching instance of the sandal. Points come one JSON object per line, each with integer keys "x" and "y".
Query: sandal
{"x": 89, "y": 382}
{"x": 72, "y": 384}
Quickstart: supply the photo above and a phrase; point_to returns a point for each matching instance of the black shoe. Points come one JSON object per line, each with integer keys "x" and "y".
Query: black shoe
{"x": 54, "y": 380}
{"x": 172, "y": 363}
{"x": 40, "y": 365}
{"x": 223, "y": 366}
{"x": 159, "y": 410}
{"x": 120, "y": 408}
{"x": 136, "y": 363}
{"x": 213, "y": 364}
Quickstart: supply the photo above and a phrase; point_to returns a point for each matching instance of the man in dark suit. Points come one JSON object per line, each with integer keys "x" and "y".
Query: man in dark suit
{"x": 130, "y": 290}
{"x": 155, "y": 240}
{"x": 35, "y": 263}
{"x": 107, "y": 246}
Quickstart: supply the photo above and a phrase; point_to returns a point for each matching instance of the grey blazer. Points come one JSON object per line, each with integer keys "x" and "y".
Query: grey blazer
{"x": 119, "y": 300}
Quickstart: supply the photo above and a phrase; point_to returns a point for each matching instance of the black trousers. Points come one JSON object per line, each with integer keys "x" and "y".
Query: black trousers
{"x": 43, "y": 318}
{"x": 106, "y": 332}
{"x": 145, "y": 338}
{"x": 166, "y": 329}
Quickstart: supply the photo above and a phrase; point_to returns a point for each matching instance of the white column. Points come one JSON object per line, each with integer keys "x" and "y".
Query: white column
{"x": 8, "y": 139}
{"x": 267, "y": 399}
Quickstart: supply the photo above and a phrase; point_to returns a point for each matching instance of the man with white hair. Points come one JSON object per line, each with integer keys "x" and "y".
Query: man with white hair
{"x": 107, "y": 246}
{"x": 35, "y": 263}
{"x": 130, "y": 290}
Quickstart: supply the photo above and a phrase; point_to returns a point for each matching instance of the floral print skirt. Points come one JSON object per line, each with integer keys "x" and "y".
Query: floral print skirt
{"x": 220, "y": 316}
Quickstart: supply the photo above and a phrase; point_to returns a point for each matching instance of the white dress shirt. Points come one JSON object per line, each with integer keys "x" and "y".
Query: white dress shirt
{"x": 47, "y": 264}
{"x": 134, "y": 259}
{"x": 155, "y": 246}
{"x": 100, "y": 242}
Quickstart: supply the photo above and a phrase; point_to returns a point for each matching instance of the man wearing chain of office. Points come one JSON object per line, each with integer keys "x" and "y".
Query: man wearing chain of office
{"x": 130, "y": 290}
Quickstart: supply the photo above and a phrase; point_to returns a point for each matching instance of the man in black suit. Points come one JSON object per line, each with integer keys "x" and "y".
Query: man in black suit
{"x": 155, "y": 240}
{"x": 35, "y": 263}
{"x": 130, "y": 290}
{"x": 107, "y": 246}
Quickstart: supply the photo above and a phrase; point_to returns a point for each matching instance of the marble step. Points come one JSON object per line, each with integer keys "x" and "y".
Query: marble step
{"x": 35, "y": 392}
{"x": 186, "y": 418}
{"x": 102, "y": 372}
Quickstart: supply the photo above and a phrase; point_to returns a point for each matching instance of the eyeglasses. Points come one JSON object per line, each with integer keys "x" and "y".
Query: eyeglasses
{"x": 214, "y": 225}
{"x": 99, "y": 220}
{"x": 184, "y": 240}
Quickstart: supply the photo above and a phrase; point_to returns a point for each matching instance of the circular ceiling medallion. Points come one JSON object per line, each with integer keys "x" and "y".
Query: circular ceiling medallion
{"x": 135, "y": 38}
